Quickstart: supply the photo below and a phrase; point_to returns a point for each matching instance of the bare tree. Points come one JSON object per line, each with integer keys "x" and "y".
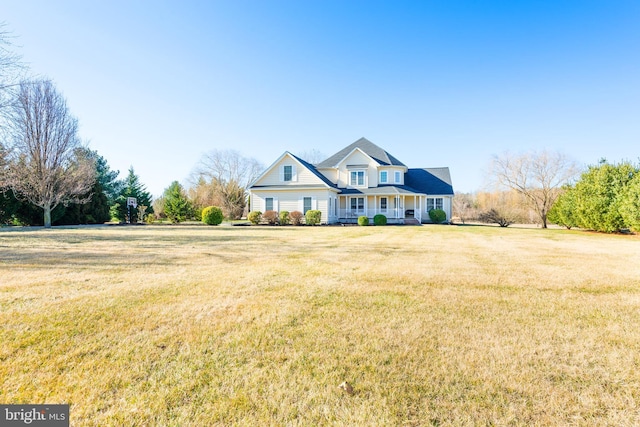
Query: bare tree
{"x": 46, "y": 165}
{"x": 312, "y": 156}
{"x": 465, "y": 206}
{"x": 229, "y": 174}
{"x": 11, "y": 66}
{"x": 538, "y": 176}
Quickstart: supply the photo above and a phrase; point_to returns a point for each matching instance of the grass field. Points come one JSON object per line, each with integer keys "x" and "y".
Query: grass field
{"x": 432, "y": 325}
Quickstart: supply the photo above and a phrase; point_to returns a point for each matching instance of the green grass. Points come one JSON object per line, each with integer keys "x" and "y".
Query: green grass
{"x": 433, "y": 325}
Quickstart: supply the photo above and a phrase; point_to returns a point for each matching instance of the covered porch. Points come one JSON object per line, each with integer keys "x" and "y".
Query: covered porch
{"x": 400, "y": 206}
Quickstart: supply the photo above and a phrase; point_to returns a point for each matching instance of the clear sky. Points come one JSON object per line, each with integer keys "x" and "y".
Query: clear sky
{"x": 155, "y": 84}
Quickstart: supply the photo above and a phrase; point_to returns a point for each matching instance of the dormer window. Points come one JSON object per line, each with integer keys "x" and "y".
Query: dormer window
{"x": 384, "y": 177}
{"x": 357, "y": 178}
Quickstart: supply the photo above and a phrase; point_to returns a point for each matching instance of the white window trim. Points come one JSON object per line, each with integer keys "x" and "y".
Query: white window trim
{"x": 386, "y": 173}
{"x": 435, "y": 204}
{"x": 294, "y": 176}
{"x": 386, "y": 200}
{"x": 314, "y": 203}
{"x": 397, "y": 177}
{"x": 356, "y": 198}
{"x": 364, "y": 178}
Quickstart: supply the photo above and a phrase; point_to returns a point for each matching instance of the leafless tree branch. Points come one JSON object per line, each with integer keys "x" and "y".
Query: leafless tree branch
{"x": 45, "y": 163}
{"x": 538, "y": 176}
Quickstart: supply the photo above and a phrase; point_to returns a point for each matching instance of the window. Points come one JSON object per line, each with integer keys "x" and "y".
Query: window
{"x": 398, "y": 177}
{"x": 384, "y": 178}
{"x": 268, "y": 204}
{"x": 383, "y": 204}
{"x": 306, "y": 204}
{"x": 357, "y": 178}
{"x": 357, "y": 203}
{"x": 287, "y": 173}
{"x": 434, "y": 203}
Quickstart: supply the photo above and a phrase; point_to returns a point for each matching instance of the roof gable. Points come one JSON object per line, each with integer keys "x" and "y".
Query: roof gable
{"x": 369, "y": 148}
{"x": 267, "y": 177}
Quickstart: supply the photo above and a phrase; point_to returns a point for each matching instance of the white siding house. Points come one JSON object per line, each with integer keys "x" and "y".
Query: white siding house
{"x": 361, "y": 179}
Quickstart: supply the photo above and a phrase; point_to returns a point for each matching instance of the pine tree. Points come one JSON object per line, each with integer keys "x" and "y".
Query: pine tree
{"x": 131, "y": 188}
{"x": 177, "y": 206}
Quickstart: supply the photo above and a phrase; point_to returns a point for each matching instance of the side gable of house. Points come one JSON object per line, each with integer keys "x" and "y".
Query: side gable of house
{"x": 290, "y": 170}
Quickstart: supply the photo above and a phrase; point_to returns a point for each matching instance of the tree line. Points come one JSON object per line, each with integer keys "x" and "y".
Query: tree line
{"x": 48, "y": 175}
{"x": 541, "y": 188}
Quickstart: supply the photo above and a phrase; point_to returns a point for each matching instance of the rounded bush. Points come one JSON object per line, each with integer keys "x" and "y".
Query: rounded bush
{"x": 379, "y": 220}
{"x": 313, "y": 217}
{"x": 255, "y": 217}
{"x": 284, "y": 218}
{"x": 437, "y": 216}
{"x": 363, "y": 220}
{"x": 271, "y": 217}
{"x": 212, "y": 215}
{"x": 296, "y": 217}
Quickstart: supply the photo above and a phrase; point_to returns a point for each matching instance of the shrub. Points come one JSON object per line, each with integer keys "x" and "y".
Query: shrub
{"x": 563, "y": 210}
{"x": 271, "y": 217}
{"x": 379, "y": 220}
{"x": 363, "y": 220}
{"x": 212, "y": 215}
{"x": 437, "y": 216}
{"x": 255, "y": 217}
{"x": 312, "y": 217}
{"x": 296, "y": 217}
{"x": 493, "y": 216}
{"x": 284, "y": 217}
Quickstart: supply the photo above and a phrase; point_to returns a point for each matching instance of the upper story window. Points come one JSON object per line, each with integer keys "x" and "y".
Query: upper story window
{"x": 384, "y": 177}
{"x": 398, "y": 177}
{"x": 357, "y": 178}
{"x": 287, "y": 173}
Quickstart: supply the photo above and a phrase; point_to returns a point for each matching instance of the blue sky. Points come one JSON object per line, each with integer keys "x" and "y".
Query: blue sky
{"x": 436, "y": 83}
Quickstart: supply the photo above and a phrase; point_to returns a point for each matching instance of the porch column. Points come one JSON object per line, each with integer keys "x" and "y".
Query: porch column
{"x": 404, "y": 205}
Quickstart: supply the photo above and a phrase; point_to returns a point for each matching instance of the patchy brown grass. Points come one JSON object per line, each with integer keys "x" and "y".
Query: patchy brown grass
{"x": 433, "y": 325}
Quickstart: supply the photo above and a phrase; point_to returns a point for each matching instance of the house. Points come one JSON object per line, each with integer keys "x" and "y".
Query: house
{"x": 360, "y": 179}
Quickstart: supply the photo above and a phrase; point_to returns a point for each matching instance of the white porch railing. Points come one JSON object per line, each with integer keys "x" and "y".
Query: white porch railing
{"x": 389, "y": 213}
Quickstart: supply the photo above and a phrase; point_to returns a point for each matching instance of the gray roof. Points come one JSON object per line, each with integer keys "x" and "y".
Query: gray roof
{"x": 371, "y": 149}
{"x": 429, "y": 181}
{"x": 315, "y": 171}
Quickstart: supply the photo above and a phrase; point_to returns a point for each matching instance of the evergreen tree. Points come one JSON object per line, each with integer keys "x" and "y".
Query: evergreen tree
{"x": 96, "y": 210}
{"x": 177, "y": 206}
{"x": 131, "y": 187}
{"x": 563, "y": 212}
{"x": 107, "y": 178}
{"x": 630, "y": 204}
{"x": 8, "y": 207}
{"x": 598, "y": 195}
